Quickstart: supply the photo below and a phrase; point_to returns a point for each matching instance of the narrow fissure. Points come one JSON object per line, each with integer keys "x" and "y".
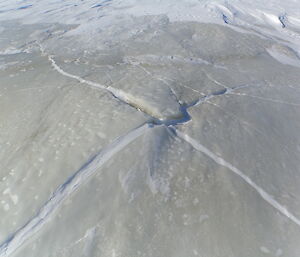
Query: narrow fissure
{"x": 124, "y": 97}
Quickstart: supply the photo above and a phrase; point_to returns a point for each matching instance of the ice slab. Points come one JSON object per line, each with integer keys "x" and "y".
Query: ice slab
{"x": 161, "y": 197}
{"x": 163, "y": 138}
{"x": 50, "y": 128}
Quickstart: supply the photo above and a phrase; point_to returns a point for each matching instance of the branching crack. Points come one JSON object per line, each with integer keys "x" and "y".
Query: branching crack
{"x": 272, "y": 100}
{"x": 89, "y": 168}
{"x": 128, "y": 100}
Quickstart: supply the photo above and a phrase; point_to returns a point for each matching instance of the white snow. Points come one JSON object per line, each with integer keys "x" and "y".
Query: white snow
{"x": 254, "y": 14}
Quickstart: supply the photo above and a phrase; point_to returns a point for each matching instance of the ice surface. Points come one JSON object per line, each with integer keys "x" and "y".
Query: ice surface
{"x": 149, "y": 128}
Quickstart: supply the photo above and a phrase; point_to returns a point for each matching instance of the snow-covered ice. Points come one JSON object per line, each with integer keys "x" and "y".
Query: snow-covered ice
{"x": 149, "y": 128}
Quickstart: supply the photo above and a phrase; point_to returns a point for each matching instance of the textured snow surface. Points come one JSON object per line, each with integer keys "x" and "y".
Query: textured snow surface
{"x": 149, "y": 128}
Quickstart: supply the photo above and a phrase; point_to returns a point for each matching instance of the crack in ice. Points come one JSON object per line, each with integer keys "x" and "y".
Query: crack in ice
{"x": 265, "y": 99}
{"x": 71, "y": 185}
{"x": 122, "y": 96}
{"x": 78, "y": 178}
{"x": 219, "y": 160}
{"x": 36, "y": 223}
{"x": 129, "y": 100}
